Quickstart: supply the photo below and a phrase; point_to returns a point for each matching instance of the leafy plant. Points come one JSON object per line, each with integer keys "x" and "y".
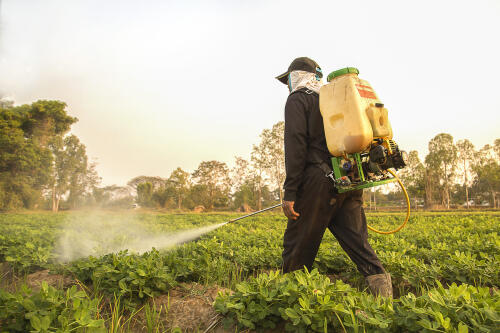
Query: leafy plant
{"x": 49, "y": 310}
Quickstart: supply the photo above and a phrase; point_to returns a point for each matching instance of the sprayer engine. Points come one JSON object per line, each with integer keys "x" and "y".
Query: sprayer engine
{"x": 384, "y": 155}
{"x": 368, "y": 168}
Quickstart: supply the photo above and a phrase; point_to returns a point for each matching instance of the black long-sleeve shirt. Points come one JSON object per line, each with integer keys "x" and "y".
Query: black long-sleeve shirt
{"x": 305, "y": 140}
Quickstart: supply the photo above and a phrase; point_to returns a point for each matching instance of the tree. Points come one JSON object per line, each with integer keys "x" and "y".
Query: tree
{"x": 6, "y": 103}
{"x": 215, "y": 177}
{"x": 272, "y": 142}
{"x": 466, "y": 153}
{"x": 240, "y": 173}
{"x": 442, "y": 160}
{"x": 413, "y": 176}
{"x": 145, "y": 194}
{"x": 72, "y": 174}
{"x": 198, "y": 195}
{"x": 25, "y": 167}
{"x": 156, "y": 182}
{"x": 487, "y": 169}
{"x": 47, "y": 119}
{"x": 496, "y": 148}
{"x": 36, "y": 157}
{"x": 164, "y": 196}
{"x": 179, "y": 182}
{"x": 112, "y": 196}
{"x": 258, "y": 162}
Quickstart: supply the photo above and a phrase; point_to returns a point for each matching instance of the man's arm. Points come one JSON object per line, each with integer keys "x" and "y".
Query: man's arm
{"x": 295, "y": 144}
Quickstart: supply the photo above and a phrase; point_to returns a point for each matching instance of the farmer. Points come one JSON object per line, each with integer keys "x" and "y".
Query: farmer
{"x": 310, "y": 202}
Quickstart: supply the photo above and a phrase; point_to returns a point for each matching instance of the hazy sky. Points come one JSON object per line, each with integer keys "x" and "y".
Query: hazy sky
{"x": 161, "y": 84}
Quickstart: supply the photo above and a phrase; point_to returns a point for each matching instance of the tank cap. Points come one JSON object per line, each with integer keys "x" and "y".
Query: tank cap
{"x": 340, "y": 72}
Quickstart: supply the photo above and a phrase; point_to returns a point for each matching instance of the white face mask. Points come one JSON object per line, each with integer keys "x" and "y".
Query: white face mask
{"x": 303, "y": 79}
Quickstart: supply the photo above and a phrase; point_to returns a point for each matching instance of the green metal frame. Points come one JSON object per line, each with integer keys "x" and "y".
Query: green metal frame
{"x": 338, "y": 172}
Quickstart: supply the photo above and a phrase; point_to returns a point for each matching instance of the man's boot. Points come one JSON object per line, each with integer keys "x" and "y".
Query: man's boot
{"x": 380, "y": 284}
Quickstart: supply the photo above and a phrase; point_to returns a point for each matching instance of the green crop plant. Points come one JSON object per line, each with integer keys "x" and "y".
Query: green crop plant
{"x": 49, "y": 310}
{"x": 311, "y": 302}
{"x": 434, "y": 257}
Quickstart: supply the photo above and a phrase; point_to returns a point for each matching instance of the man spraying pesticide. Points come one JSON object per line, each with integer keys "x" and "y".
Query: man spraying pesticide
{"x": 338, "y": 141}
{"x": 343, "y": 122}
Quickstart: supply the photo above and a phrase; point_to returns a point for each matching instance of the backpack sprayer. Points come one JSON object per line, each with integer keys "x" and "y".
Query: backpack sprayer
{"x": 359, "y": 137}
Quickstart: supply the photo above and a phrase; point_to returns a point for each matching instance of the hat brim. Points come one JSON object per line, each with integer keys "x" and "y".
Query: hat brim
{"x": 283, "y": 78}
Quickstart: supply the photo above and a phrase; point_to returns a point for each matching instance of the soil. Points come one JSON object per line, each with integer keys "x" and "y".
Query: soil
{"x": 188, "y": 307}
{"x": 6, "y": 275}
{"x": 34, "y": 281}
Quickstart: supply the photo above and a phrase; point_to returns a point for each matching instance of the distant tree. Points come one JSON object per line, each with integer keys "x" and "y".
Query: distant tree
{"x": 413, "y": 176}
{"x": 6, "y": 103}
{"x": 156, "y": 182}
{"x": 164, "y": 196}
{"x": 47, "y": 119}
{"x": 73, "y": 175}
{"x": 179, "y": 181}
{"x": 215, "y": 178}
{"x": 259, "y": 165}
{"x": 25, "y": 157}
{"x": 145, "y": 194}
{"x": 430, "y": 181}
{"x": 244, "y": 195}
{"x": 240, "y": 173}
{"x": 487, "y": 169}
{"x": 112, "y": 196}
{"x": 442, "y": 160}
{"x": 466, "y": 153}
{"x": 496, "y": 148}
{"x": 198, "y": 195}
{"x": 272, "y": 142}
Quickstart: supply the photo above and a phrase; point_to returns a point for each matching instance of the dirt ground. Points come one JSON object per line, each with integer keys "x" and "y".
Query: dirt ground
{"x": 188, "y": 307}
{"x": 10, "y": 281}
{"x": 34, "y": 281}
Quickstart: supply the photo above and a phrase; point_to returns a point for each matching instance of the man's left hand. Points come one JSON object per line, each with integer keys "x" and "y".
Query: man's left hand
{"x": 289, "y": 211}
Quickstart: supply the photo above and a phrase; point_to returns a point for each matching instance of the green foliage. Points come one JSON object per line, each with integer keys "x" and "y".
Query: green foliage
{"x": 35, "y": 156}
{"x": 311, "y": 302}
{"x": 212, "y": 177}
{"x": 433, "y": 247}
{"x": 145, "y": 194}
{"x": 438, "y": 255}
{"x": 49, "y": 310}
{"x": 179, "y": 184}
{"x": 73, "y": 174}
{"x": 24, "y": 163}
{"x": 130, "y": 277}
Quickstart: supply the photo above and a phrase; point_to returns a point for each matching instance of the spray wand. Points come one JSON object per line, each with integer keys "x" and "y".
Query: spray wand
{"x": 254, "y": 213}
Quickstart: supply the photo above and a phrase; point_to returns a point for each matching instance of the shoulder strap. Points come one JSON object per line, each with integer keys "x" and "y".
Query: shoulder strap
{"x": 320, "y": 163}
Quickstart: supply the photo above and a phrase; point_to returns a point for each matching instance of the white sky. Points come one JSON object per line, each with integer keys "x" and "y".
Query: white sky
{"x": 162, "y": 84}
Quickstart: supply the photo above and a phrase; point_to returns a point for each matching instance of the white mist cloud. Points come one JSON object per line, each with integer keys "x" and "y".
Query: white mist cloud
{"x": 96, "y": 235}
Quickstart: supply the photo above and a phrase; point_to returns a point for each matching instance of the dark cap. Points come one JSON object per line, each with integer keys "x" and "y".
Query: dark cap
{"x": 301, "y": 64}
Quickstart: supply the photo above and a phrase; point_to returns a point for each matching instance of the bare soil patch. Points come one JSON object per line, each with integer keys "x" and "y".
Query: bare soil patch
{"x": 189, "y": 307}
{"x": 34, "y": 280}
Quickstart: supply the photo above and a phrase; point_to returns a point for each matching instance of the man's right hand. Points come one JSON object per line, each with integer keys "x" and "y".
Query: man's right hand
{"x": 288, "y": 210}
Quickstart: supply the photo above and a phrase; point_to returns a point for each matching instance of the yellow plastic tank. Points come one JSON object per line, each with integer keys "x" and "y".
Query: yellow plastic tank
{"x": 352, "y": 113}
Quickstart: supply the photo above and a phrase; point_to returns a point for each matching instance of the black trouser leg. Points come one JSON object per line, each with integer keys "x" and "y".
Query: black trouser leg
{"x": 345, "y": 218}
{"x": 349, "y": 228}
{"x": 303, "y": 236}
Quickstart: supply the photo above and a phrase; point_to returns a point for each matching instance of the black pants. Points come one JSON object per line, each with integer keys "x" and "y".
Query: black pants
{"x": 320, "y": 208}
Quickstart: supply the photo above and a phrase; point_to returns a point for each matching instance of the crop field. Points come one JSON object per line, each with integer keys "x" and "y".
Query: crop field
{"x": 445, "y": 269}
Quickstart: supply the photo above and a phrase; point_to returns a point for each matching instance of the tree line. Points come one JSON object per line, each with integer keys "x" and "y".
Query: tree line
{"x": 454, "y": 173}
{"x": 42, "y": 166}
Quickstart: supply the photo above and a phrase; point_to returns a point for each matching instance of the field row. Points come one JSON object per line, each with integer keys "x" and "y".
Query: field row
{"x": 434, "y": 252}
